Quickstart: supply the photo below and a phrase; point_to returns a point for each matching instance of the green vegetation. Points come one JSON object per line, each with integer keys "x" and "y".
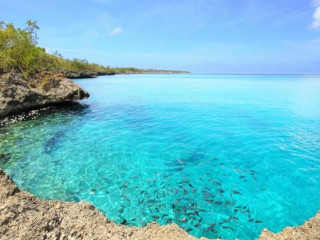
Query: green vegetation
{"x": 19, "y": 51}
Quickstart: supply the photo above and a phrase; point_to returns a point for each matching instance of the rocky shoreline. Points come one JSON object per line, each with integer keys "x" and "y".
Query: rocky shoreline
{"x": 84, "y": 74}
{"x": 310, "y": 230}
{"x": 24, "y": 216}
{"x": 42, "y": 89}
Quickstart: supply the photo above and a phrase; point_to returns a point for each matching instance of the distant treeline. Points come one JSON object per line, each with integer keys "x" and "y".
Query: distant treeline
{"x": 19, "y": 51}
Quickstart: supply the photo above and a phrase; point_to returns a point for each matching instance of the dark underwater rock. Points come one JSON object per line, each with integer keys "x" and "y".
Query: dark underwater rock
{"x": 4, "y": 158}
{"x": 52, "y": 142}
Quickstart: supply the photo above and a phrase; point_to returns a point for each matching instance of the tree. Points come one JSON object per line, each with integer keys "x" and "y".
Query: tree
{"x": 18, "y": 47}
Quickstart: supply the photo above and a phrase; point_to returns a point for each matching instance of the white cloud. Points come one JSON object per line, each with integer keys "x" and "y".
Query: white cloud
{"x": 316, "y": 15}
{"x": 116, "y": 31}
{"x": 316, "y": 18}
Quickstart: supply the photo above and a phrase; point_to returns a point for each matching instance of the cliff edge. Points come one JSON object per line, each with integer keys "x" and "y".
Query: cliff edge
{"x": 18, "y": 93}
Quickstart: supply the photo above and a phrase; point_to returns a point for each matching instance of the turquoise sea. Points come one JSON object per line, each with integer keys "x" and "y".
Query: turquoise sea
{"x": 221, "y": 156}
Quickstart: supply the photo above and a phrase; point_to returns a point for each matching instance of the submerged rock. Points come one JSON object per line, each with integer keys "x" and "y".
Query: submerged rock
{"x": 46, "y": 88}
{"x": 4, "y": 158}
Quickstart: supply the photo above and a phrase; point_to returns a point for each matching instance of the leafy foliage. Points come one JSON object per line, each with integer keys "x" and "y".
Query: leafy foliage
{"x": 18, "y": 46}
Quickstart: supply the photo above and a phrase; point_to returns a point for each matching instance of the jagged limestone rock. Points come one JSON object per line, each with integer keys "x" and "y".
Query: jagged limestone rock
{"x": 18, "y": 93}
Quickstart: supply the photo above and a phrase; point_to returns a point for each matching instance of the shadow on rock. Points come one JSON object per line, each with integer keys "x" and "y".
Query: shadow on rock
{"x": 70, "y": 108}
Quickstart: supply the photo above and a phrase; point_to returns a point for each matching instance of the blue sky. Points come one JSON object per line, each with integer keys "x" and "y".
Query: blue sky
{"x": 204, "y": 36}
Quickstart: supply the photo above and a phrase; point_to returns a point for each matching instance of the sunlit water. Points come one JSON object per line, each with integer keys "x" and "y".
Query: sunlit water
{"x": 221, "y": 156}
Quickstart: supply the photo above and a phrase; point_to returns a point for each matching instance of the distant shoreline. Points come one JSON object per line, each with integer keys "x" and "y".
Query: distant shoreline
{"x": 225, "y": 74}
{"x": 94, "y": 74}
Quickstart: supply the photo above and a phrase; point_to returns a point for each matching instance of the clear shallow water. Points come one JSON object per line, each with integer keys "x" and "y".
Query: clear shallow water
{"x": 221, "y": 156}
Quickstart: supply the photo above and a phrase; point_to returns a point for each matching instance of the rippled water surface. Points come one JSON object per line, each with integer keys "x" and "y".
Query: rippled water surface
{"x": 221, "y": 156}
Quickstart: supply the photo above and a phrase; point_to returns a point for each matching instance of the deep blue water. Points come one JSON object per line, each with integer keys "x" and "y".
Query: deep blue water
{"x": 221, "y": 156}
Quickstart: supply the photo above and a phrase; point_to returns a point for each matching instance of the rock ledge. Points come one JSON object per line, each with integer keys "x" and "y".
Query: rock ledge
{"x": 46, "y": 88}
